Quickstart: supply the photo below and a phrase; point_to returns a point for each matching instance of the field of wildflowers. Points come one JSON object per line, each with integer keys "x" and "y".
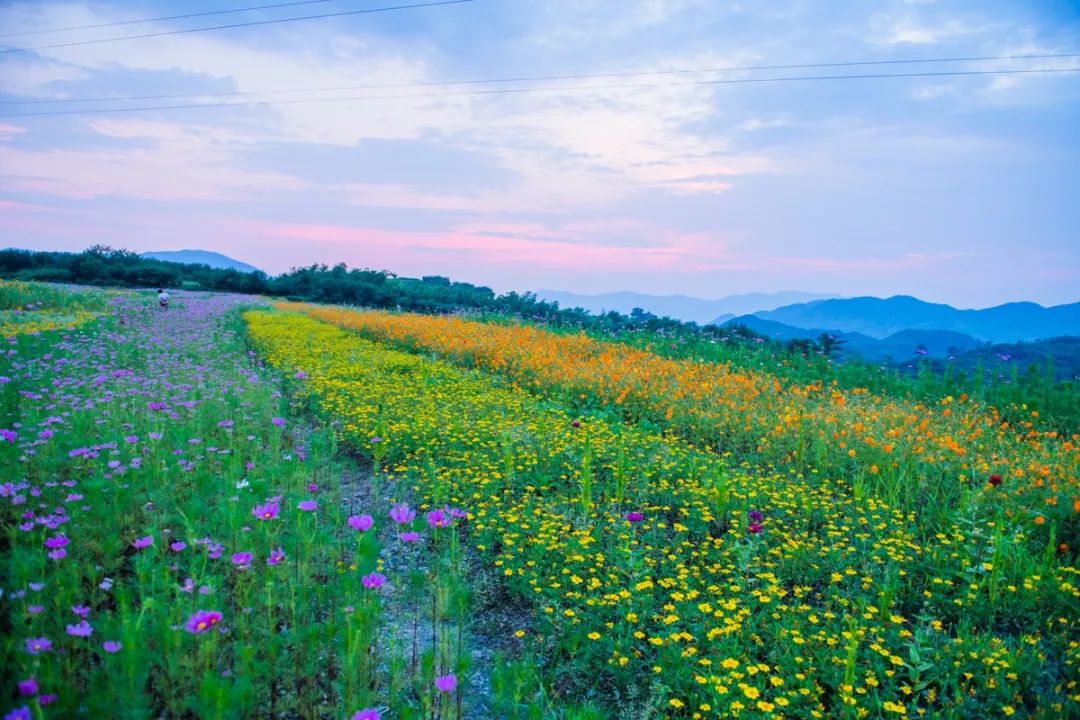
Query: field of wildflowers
{"x": 31, "y": 307}
{"x": 673, "y": 583}
{"x": 176, "y": 545}
{"x": 228, "y": 510}
{"x": 915, "y": 455}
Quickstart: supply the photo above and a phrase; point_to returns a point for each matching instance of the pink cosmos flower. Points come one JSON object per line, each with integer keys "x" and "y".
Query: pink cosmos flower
{"x": 202, "y": 621}
{"x": 446, "y": 683}
{"x": 401, "y": 514}
{"x": 373, "y": 580}
{"x": 266, "y": 511}
{"x": 361, "y": 523}
{"x": 276, "y": 557}
{"x": 438, "y": 518}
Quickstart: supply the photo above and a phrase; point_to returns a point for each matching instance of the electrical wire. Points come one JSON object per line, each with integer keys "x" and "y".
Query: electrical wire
{"x": 508, "y": 91}
{"x": 253, "y": 23}
{"x": 540, "y": 78}
{"x": 163, "y": 19}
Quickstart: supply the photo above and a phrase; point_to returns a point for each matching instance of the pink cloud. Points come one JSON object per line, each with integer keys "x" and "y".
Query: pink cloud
{"x": 7, "y": 132}
{"x": 502, "y": 244}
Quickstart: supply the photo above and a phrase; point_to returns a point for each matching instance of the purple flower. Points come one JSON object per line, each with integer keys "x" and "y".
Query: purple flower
{"x": 300, "y": 375}
{"x": 375, "y": 440}
{"x": 373, "y": 580}
{"x": 57, "y": 554}
{"x": 81, "y": 610}
{"x": 278, "y": 421}
{"x": 131, "y": 439}
{"x": 401, "y": 514}
{"x": 8, "y": 435}
{"x": 55, "y": 542}
{"x": 20, "y": 713}
{"x": 409, "y": 537}
{"x": 755, "y": 516}
{"x": 35, "y": 646}
{"x": 83, "y": 629}
{"x": 242, "y": 560}
{"x": 575, "y": 423}
{"x": 28, "y": 687}
{"x": 142, "y": 543}
{"x": 438, "y": 518}
{"x": 48, "y": 699}
{"x": 106, "y": 584}
{"x": 367, "y": 714}
{"x": 276, "y": 557}
{"x": 361, "y": 523}
{"x": 446, "y": 683}
{"x": 202, "y": 621}
{"x": 177, "y": 546}
{"x": 266, "y": 511}
{"x": 35, "y": 609}
{"x": 112, "y": 646}
{"x": 634, "y": 517}
{"x": 755, "y": 528}
{"x": 307, "y": 505}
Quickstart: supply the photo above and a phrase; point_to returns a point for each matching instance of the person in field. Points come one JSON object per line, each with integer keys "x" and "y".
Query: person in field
{"x": 163, "y": 299}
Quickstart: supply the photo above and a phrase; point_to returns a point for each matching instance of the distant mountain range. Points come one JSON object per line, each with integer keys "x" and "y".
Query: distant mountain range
{"x": 903, "y": 327}
{"x": 680, "y": 307}
{"x": 200, "y": 257}
{"x": 882, "y": 318}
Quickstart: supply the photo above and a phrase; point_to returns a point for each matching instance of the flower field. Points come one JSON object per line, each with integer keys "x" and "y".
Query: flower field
{"x": 230, "y": 510}
{"x": 911, "y": 454}
{"x": 663, "y": 576}
{"x": 31, "y": 308}
{"x": 175, "y": 545}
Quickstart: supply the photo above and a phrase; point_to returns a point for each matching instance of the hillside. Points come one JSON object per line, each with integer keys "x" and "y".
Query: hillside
{"x": 200, "y": 257}
{"x": 880, "y": 318}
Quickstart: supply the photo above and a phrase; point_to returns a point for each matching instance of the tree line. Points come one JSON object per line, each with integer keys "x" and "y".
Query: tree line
{"x": 338, "y": 284}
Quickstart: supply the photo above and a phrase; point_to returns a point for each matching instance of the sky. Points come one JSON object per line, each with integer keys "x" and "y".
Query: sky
{"x": 958, "y": 189}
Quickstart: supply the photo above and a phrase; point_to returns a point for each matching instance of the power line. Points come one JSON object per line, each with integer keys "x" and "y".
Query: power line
{"x": 540, "y": 78}
{"x": 237, "y": 25}
{"x": 508, "y": 91}
{"x": 162, "y": 19}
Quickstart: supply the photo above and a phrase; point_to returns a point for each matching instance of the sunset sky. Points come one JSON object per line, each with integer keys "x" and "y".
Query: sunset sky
{"x": 961, "y": 189}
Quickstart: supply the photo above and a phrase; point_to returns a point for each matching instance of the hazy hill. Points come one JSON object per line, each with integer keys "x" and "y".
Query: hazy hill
{"x": 901, "y": 346}
{"x": 680, "y": 307}
{"x": 201, "y": 257}
{"x": 880, "y": 318}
